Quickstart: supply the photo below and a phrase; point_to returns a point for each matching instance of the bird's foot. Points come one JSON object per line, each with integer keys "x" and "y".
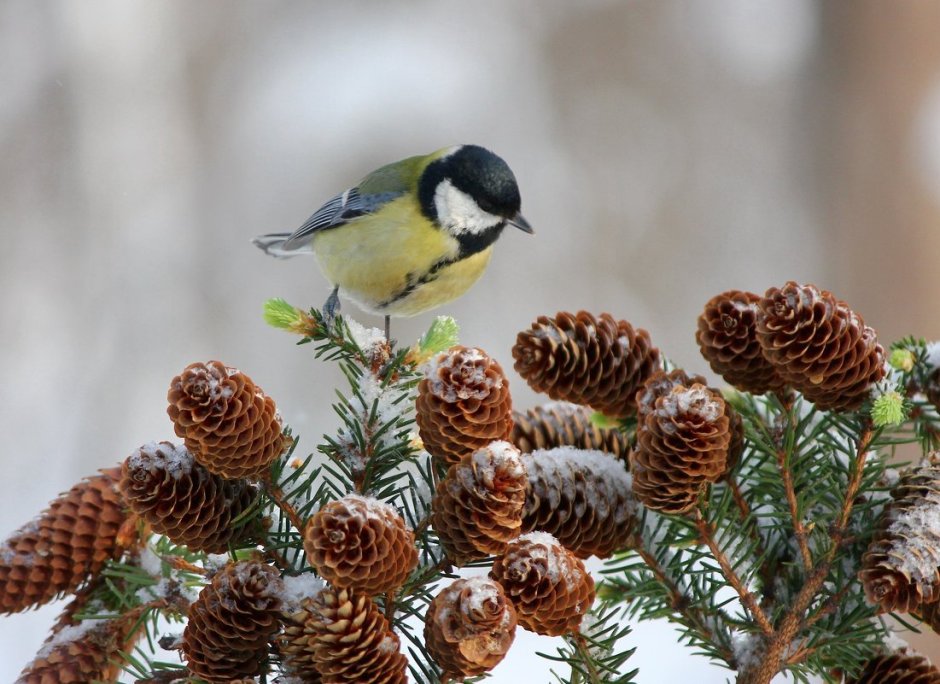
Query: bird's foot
{"x": 331, "y": 310}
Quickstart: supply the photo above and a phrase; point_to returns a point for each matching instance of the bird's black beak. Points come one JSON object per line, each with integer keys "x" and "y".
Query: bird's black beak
{"x": 519, "y": 222}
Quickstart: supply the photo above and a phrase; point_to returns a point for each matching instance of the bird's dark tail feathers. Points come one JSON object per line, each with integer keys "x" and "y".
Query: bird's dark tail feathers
{"x": 273, "y": 244}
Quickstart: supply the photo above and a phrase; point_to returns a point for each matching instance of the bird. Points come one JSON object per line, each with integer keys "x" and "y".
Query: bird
{"x": 411, "y": 235}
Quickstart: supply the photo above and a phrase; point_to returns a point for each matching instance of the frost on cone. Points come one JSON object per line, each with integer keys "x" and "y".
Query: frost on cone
{"x": 463, "y": 404}
{"x": 900, "y": 568}
{"x": 683, "y": 438}
{"x": 230, "y": 624}
{"x": 79, "y": 652}
{"x": 819, "y": 346}
{"x": 561, "y": 423}
{"x": 339, "y": 636}
{"x": 582, "y": 498}
{"x": 478, "y": 506}
{"x": 897, "y": 668}
{"x": 727, "y": 336}
{"x": 226, "y": 421}
{"x": 469, "y": 627}
{"x": 69, "y": 543}
{"x": 598, "y": 362}
{"x": 362, "y": 543}
{"x": 548, "y": 585}
{"x": 182, "y": 500}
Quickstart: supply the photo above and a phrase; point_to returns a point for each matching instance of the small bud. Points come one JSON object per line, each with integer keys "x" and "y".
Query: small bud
{"x": 279, "y": 314}
{"x": 888, "y": 410}
{"x": 902, "y": 360}
{"x": 440, "y": 336}
{"x": 598, "y": 419}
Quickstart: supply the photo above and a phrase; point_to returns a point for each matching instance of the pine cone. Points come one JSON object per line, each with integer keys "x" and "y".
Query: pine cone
{"x": 339, "y": 636}
{"x": 900, "y": 568}
{"x": 68, "y": 544}
{"x": 819, "y": 346}
{"x": 182, "y": 500}
{"x": 727, "y": 336}
{"x": 469, "y": 627}
{"x": 226, "y": 421}
{"x": 478, "y": 506}
{"x": 79, "y": 652}
{"x": 932, "y": 388}
{"x": 560, "y": 423}
{"x": 897, "y": 668}
{"x": 598, "y": 362}
{"x": 548, "y": 585}
{"x": 929, "y": 614}
{"x": 463, "y": 404}
{"x": 683, "y": 439}
{"x": 232, "y": 621}
{"x": 580, "y": 497}
{"x": 361, "y": 543}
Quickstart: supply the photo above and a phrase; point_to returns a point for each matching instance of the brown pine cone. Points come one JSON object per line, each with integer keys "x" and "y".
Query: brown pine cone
{"x": 463, "y": 404}
{"x": 561, "y": 423}
{"x": 683, "y": 439}
{"x": 226, "y": 421}
{"x": 182, "y": 500}
{"x": 478, "y": 506}
{"x": 79, "y": 651}
{"x": 68, "y": 544}
{"x": 819, "y": 346}
{"x": 727, "y": 336}
{"x": 598, "y": 362}
{"x": 230, "y": 624}
{"x": 548, "y": 585}
{"x": 932, "y": 388}
{"x": 361, "y": 543}
{"x": 339, "y": 636}
{"x": 897, "y": 668}
{"x": 929, "y": 614}
{"x": 469, "y": 627}
{"x": 900, "y": 568}
{"x": 580, "y": 497}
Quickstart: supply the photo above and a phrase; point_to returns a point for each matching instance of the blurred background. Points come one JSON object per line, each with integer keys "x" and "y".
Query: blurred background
{"x": 666, "y": 151}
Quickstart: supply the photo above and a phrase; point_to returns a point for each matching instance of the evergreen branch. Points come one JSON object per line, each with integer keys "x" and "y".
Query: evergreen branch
{"x": 799, "y": 530}
{"x": 748, "y": 600}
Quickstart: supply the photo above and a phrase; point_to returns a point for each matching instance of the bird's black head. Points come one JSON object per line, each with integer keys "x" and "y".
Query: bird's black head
{"x": 475, "y": 172}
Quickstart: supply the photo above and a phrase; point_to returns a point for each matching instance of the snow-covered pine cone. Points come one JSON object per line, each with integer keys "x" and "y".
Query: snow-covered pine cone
{"x": 582, "y": 498}
{"x": 362, "y": 543}
{"x": 561, "y": 423}
{"x": 339, "y": 636}
{"x": 548, "y": 585}
{"x": 469, "y": 627}
{"x": 900, "y": 568}
{"x": 727, "y": 337}
{"x": 819, "y": 346}
{"x": 463, "y": 404}
{"x": 683, "y": 438}
{"x": 231, "y": 622}
{"x": 478, "y": 506}
{"x": 68, "y": 544}
{"x": 230, "y": 426}
{"x": 165, "y": 486}
{"x": 595, "y": 361}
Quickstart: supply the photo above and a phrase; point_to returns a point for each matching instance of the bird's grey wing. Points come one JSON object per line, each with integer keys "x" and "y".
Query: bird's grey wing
{"x": 338, "y": 210}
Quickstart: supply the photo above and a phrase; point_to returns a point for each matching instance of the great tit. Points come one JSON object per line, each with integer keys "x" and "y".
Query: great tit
{"x": 412, "y": 235}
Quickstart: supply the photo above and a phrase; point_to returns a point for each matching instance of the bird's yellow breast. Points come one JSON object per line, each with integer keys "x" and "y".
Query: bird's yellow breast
{"x": 386, "y": 261}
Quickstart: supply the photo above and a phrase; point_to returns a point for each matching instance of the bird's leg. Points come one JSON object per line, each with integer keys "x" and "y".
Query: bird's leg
{"x": 331, "y": 308}
{"x": 388, "y": 326}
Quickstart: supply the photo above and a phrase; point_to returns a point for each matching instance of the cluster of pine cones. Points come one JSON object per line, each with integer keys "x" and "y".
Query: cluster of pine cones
{"x": 538, "y": 492}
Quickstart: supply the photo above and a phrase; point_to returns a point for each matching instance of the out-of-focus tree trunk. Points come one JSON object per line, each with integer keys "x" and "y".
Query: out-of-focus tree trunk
{"x": 879, "y": 96}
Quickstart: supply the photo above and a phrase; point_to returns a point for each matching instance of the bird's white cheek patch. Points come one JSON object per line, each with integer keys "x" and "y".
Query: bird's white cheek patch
{"x": 457, "y": 211}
